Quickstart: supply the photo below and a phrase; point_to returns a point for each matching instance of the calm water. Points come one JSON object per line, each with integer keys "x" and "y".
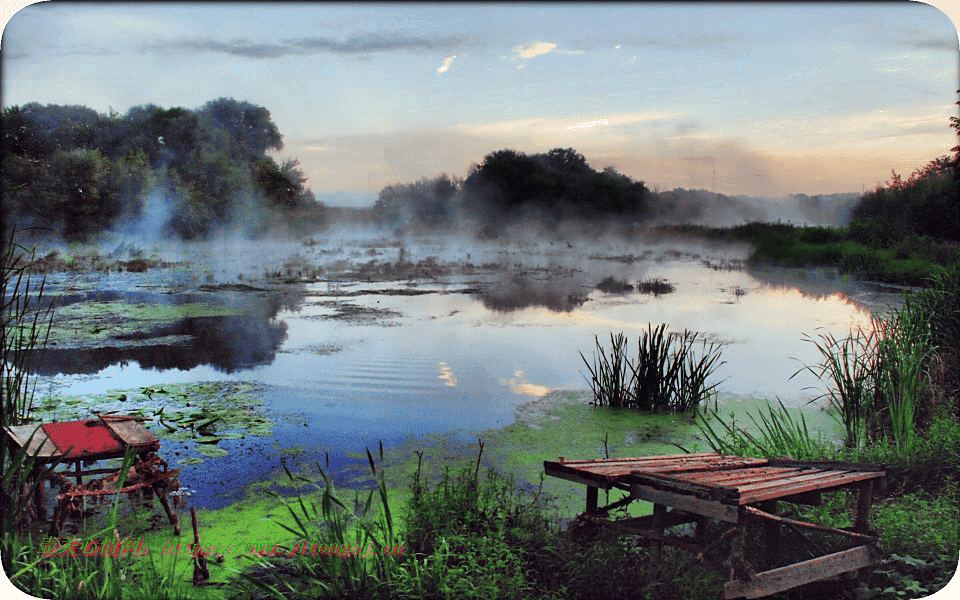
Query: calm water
{"x": 464, "y": 355}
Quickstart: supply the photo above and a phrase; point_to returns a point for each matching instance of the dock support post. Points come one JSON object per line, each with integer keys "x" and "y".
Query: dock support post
{"x": 592, "y": 494}
{"x": 771, "y": 530}
{"x": 864, "y": 502}
{"x": 656, "y": 544}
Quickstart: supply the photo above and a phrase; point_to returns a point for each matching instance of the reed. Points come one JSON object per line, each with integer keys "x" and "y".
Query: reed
{"x": 611, "y": 378}
{"x": 849, "y": 365}
{"x": 667, "y": 375}
{"x": 778, "y": 434}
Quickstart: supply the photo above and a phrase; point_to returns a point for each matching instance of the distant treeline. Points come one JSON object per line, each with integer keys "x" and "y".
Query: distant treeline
{"x": 186, "y": 171}
{"x": 509, "y": 185}
{"x": 559, "y": 184}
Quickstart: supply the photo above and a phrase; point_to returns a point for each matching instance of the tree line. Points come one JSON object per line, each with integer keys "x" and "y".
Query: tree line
{"x": 509, "y": 185}
{"x": 77, "y": 171}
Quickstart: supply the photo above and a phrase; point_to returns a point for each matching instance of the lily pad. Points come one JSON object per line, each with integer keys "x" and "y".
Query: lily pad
{"x": 208, "y": 439}
{"x": 193, "y": 460}
{"x": 212, "y": 451}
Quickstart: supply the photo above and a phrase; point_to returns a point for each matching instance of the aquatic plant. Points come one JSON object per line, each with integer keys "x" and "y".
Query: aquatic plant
{"x": 611, "y": 285}
{"x": 656, "y": 286}
{"x": 666, "y": 375}
{"x": 778, "y": 434}
{"x": 849, "y": 364}
{"x": 24, "y": 329}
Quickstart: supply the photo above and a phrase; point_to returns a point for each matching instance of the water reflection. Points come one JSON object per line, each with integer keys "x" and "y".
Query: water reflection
{"x": 229, "y": 343}
{"x": 559, "y": 294}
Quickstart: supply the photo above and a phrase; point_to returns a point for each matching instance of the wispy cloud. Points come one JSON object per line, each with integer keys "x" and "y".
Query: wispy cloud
{"x": 543, "y": 125}
{"x": 525, "y": 51}
{"x": 446, "y": 64}
{"x": 706, "y": 40}
{"x": 535, "y": 49}
{"x": 356, "y": 44}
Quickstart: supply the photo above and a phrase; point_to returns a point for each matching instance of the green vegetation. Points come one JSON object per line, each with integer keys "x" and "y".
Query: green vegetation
{"x": 173, "y": 170}
{"x": 471, "y": 534}
{"x": 666, "y": 374}
{"x": 895, "y": 391}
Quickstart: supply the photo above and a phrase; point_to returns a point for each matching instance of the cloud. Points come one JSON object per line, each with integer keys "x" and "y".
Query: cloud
{"x": 446, "y": 64}
{"x": 543, "y": 125}
{"x": 538, "y": 48}
{"x": 302, "y": 46}
{"x": 709, "y": 40}
{"x": 535, "y": 49}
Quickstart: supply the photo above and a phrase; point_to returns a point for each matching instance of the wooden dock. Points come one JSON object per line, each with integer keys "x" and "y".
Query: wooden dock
{"x": 690, "y": 488}
{"x": 84, "y": 442}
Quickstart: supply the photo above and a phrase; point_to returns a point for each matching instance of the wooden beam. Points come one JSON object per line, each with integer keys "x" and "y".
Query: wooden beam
{"x": 802, "y": 573}
{"x": 707, "y": 508}
{"x": 763, "y": 515}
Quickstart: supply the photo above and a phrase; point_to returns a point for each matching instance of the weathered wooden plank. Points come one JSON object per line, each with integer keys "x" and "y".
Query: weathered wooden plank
{"x": 131, "y": 432}
{"x": 583, "y": 477}
{"x": 751, "y": 475}
{"x": 826, "y": 464}
{"x": 826, "y": 481}
{"x": 681, "y": 485}
{"x": 40, "y": 445}
{"x": 697, "y": 455}
{"x": 802, "y": 573}
{"x": 824, "y": 528}
{"x": 707, "y": 508}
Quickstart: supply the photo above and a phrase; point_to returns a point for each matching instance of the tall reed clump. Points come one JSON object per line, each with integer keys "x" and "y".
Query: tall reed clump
{"x": 666, "y": 375}
{"x": 25, "y": 329}
{"x": 879, "y": 381}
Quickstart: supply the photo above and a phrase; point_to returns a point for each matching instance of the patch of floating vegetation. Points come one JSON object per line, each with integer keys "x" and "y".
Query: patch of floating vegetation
{"x": 656, "y": 286}
{"x": 202, "y": 413}
{"x": 610, "y": 285}
{"x": 357, "y": 314}
{"x": 97, "y": 324}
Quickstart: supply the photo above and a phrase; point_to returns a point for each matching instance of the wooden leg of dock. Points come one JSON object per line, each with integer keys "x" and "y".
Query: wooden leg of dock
{"x": 656, "y": 544}
{"x": 864, "y": 502}
{"x": 771, "y": 530}
{"x": 592, "y": 496}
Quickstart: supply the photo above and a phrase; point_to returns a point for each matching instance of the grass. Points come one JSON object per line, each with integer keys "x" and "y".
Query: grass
{"x": 896, "y": 414}
{"x": 912, "y": 260}
{"x": 665, "y": 376}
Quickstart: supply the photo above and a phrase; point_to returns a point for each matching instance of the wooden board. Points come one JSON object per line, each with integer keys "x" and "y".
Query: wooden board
{"x": 802, "y": 573}
{"x": 131, "y": 432}
{"x": 20, "y": 434}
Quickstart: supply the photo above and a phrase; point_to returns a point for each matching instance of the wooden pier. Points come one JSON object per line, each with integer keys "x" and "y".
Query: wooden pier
{"x": 692, "y": 488}
{"x": 85, "y": 442}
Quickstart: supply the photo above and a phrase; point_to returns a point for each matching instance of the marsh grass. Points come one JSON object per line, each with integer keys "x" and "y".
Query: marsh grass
{"x": 474, "y": 534}
{"x": 778, "y": 434}
{"x": 667, "y": 375}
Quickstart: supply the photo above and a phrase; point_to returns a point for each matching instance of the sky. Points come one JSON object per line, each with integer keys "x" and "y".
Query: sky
{"x": 758, "y": 99}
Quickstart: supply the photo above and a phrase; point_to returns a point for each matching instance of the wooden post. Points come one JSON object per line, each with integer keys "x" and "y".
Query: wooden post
{"x": 771, "y": 530}
{"x": 864, "y": 502}
{"x": 592, "y": 493}
{"x": 39, "y": 495}
{"x": 656, "y": 544}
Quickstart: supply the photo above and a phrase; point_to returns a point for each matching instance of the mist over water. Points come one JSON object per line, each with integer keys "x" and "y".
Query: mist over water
{"x": 368, "y": 334}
